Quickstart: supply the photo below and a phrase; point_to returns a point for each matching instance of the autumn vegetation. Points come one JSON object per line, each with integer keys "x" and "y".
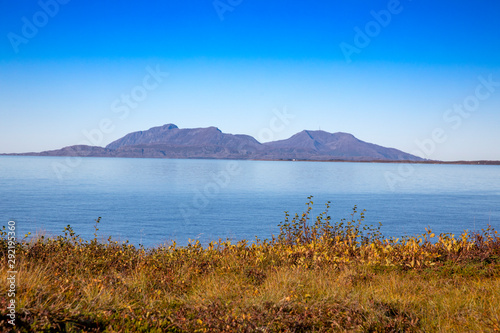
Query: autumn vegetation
{"x": 315, "y": 276}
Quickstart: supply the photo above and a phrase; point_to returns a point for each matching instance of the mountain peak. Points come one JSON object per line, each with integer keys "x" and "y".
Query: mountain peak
{"x": 169, "y": 126}
{"x": 314, "y": 133}
{"x": 213, "y": 128}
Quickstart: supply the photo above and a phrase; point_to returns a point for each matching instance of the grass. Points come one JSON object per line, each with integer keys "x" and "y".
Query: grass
{"x": 315, "y": 276}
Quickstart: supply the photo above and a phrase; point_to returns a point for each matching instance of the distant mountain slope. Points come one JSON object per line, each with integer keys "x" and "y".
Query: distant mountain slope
{"x": 171, "y": 135}
{"x": 169, "y": 141}
{"x": 337, "y": 145}
{"x": 77, "y": 150}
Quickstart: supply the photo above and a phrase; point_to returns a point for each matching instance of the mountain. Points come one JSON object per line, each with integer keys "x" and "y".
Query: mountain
{"x": 322, "y": 145}
{"x": 171, "y": 135}
{"x": 169, "y": 141}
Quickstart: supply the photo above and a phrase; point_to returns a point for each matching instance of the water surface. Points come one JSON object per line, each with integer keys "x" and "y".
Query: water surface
{"x": 151, "y": 201}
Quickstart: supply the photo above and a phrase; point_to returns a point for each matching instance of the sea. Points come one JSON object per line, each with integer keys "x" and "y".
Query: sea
{"x": 152, "y": 202}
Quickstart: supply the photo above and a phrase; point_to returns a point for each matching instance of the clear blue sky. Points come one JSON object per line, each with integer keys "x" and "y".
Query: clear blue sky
{"x": 389, "y": 72}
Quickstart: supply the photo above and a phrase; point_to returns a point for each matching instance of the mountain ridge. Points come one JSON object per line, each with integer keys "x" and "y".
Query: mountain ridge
{"x": 170, "y": 141}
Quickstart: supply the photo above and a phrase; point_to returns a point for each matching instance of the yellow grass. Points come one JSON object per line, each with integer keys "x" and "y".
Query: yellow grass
{"x": 313, "y": 277}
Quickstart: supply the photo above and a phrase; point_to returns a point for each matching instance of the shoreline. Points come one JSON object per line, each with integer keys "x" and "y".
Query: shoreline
{"x": 476, "y": 162}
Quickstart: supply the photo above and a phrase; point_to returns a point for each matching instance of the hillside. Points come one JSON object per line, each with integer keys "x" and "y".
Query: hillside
{"x": 169, "y": 141}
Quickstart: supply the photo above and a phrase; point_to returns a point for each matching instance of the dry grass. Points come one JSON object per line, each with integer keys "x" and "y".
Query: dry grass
{"x": 313, "y": 277}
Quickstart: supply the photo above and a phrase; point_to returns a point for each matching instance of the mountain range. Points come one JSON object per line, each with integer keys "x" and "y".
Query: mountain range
{"x": 169, "y": 141}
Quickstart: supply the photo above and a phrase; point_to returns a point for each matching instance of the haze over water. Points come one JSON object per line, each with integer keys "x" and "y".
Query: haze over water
{"x": 151, "y": 201}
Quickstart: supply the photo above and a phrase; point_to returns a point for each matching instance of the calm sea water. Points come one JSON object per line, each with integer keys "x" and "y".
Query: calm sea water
{"x": 151, "y": 201}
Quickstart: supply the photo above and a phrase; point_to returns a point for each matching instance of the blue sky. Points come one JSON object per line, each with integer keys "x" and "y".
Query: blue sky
{"x": 420, "y": 76}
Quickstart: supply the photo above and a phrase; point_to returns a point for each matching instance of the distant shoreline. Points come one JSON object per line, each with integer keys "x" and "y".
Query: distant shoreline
{"x": 479, "y": 162}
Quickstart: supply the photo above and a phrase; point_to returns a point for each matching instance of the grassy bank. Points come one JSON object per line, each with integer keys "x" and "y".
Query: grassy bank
{"x": 315, "y": 276}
